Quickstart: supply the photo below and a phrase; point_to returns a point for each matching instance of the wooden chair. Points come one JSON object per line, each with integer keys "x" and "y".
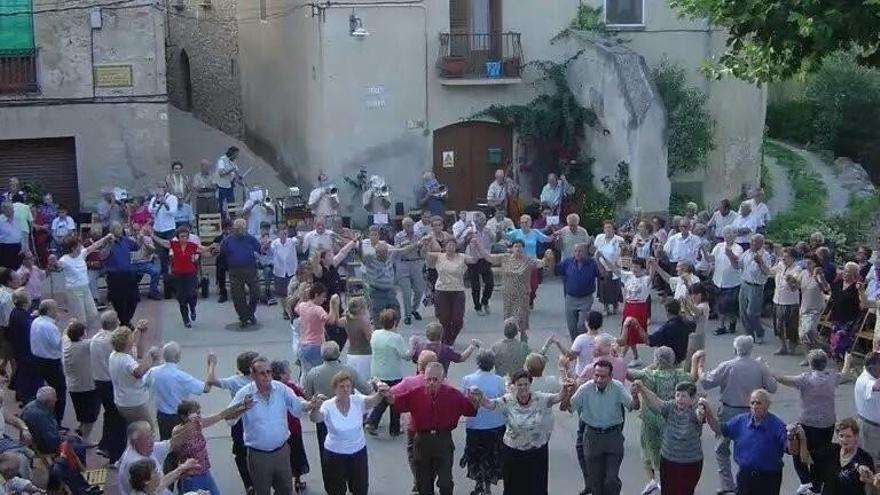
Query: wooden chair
{"x": 234, "y": 210}
{"x": 863, "y": 341}
{"x": 210, "y": 225}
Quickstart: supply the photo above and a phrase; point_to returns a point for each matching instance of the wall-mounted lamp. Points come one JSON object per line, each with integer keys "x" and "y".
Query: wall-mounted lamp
{"x": 356, "y": 27}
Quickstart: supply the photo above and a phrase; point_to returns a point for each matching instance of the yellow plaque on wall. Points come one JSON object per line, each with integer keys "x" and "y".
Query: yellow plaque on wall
{"x": 113, "y": 76}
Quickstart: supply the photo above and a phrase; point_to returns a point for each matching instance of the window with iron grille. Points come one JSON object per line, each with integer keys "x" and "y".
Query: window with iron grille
{"x": 625, "y": 12}
{"x": 18, "y": 68}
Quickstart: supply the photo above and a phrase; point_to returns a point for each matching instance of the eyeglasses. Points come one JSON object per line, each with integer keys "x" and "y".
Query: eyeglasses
{"x": 263, "y": 372}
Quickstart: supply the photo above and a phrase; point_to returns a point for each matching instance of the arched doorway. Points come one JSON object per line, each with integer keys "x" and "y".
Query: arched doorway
{"x": 466, "y": 156}
{"x": 186, "y": 81}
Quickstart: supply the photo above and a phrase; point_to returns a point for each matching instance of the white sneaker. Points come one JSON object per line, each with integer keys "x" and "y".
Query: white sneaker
{"x": 805, "y": 489}
{"x": 651, "y": 487}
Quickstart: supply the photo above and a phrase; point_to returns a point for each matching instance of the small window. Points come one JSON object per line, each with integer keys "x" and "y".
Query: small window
{"x": 625, "y": 12}
{"x": 263, "y": 9}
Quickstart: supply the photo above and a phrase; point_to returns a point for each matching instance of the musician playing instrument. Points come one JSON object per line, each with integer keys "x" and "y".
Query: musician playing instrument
{"x": 224, "y": 177}
{"x": 324, "y": 198}
{"x": 431, "y": 195}
{"x": 204, "y": 189}
{"x": 499, "y": 191}
{"x": 257, "y": 209}
{"x": 377, "y": 199}
{"x": 177, "y": 183}
{"x": 554, "y": 192}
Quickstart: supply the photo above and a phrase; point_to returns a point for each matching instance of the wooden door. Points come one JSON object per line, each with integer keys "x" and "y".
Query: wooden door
{"x": 463, "y": 160}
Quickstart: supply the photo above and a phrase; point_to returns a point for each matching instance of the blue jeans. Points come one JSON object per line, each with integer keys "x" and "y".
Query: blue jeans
{"x": 225, "y": 195}
{"x": 309, "y": 357}
{"x": 199, "y": 482}
{"x": 150, "y": 268}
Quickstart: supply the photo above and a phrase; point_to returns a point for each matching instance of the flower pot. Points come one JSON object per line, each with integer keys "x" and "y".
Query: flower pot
{"x": 512, "y": 67}
{"x": 493, "y": 69}
{"x": 453, "y": 66}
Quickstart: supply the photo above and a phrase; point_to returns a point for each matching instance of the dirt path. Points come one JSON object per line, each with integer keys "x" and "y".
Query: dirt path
{"x": 838, "y": 196}
{"x": 783, "y": 196}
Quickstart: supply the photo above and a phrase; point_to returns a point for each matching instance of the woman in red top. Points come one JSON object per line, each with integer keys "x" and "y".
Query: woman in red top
{"x": 184, "y": 268}
{"x": 299, "y": 462}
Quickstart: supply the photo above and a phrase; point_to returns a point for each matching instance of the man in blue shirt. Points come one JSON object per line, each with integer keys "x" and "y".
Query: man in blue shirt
{"x": 239, "y": 250}
{"x": 759, "y": 442}
{"x": 122, "y": 286}
{"x": 579, "y": 274}
{"x": 674, "y": 333}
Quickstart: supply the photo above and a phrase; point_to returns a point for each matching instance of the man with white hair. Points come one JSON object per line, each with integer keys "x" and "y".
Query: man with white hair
{"x": 428, "y": 197}
{"x": 754, "y": 264}
{"x": 142, "y": 445}
{"x": 240, "y": 250}
{"x": 499, "y": 190}
{"x": 39, "y": 416}
{"x": 318, "y": 239}
{"x": 746, "y": 224}
{"x": 380, "y": 277}
{"x": 45, "y": 343}
{"x": 571, "y": 235}
{"x": 170, "y": 385}
{"x": 727, "y": 279}
{"x": 480, "y": 269}
{"x": 737, "y": 379}
{"x": 760, "y": 441}
{"x": 112, "y": 442}
{"x": 408, "y": 270}
{"x": 760, "y": 208}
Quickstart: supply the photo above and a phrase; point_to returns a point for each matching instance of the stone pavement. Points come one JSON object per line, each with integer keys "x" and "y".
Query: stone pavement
{"x": 217, "y": 331}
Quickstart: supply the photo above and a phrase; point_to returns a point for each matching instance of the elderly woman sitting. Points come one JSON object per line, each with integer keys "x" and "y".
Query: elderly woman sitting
{"x": 660, "y": 381}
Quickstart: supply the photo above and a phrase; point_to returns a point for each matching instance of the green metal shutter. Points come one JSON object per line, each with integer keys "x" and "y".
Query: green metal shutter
{"x": 16, "y": 27}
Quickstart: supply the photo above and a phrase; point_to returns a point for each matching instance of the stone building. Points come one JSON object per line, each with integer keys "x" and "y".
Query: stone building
{"x": 83, "y": 103}
{"x": 202, "y": 58}
{"x": 390, "y": 86}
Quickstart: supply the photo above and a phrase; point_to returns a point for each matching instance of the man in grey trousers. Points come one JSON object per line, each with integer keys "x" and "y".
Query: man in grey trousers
{"x": 754, "y": 264}
{"x": 579, "y": 275}
{"x": 408, "y": 272}
{"x": 737, "y": 378}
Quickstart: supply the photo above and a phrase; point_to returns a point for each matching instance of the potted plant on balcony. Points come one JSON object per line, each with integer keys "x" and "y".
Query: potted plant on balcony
{"x": 453, "y": 66}
{"x": 512, "y": 67}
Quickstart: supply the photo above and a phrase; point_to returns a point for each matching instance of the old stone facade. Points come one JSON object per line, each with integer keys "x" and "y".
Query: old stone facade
{"x": 202, "y": 59}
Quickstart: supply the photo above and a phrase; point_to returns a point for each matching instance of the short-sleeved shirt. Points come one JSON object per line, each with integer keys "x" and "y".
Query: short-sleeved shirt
{"x": 240, "y": 250}
{"x": 311, "y": 322}
{"x": 673, "y": 334}
{"x": 77, "y": 365}
{"x": 434, "y": 411}
{"x": 817, "y": 397}
{"x": 726, "y": 276}
{"x": 783, "y": 294}
{"x": 128, "y": 391}
{"x": 445, "y": 353}
{"x": 681, "y": 434}
{"x": 265, "y": 423}
{"x": 738, "y": 378}
{"x": 450, "y": 272}
{"x": 568, "y": 239}
{"x": 75, "y": 272}
{"x": 182, "y": 262}
{"x": 492, "y": 386}
{"x": 234, "y": 383}
{"x": 171, "y": 385}
{"x": 602, "y": 409}
{"x": 757, "y": 446}
{"x": 583, "y": 345}
{"x": 99, "y": 352}
{"x": 530, "y": 240}
{"x": 131, "y": 456}
{"x": 345, "y": 432}
{"x": 510, "y": 355}
{"x": 389, "y": 351}
{"x": 526, "y": 425}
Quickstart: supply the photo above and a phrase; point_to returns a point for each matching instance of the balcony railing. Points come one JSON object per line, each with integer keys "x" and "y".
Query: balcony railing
{"x": 480, "y": 56}
{"x": 18, "y": 74}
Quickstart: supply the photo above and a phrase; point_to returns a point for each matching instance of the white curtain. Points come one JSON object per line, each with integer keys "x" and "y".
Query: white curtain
{"x": 481, "y": 23}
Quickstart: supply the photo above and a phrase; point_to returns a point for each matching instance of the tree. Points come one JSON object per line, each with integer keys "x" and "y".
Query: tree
{"x": 771, "y": 40}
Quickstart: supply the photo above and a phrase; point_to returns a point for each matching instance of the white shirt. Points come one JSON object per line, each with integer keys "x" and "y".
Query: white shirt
{"x": 761, "y": 211}
{"x": 783, "y": 294}
{"x": 76, "y": 274}
{"x": 679, "y": 288}
{"x": 726, "y": 275}
{"x": 679, "y": 248}
{"x": 45, "y": 338}
{"x": 610, "y": 249}
{"x": 62, "y": 227}
{"x": 255, "y": 216}
{"x": 867, "y": 399}
{"x": 284, "y": 260}
{"x": 345, "y": 433}
{"x": 583, "y": 345}
{"x": 497, "y": 194}
{"x": 99, "y": 352}
{"x": 719, "y": 221}
{"x": 314, "y": 240}
{"x": 224, "y": 164}
{"x": 128, "y": 391}
{"x": 873, "y": 284}
{"x": 458, "y": 227}
{"x": 635, "y": 288}
{"x": 131, "y": 456}
{"x": 421, "y": 229}
{"x": 751, "y": 272}
{"x": 751, "y": 222}
{"x": 164, "y": 220}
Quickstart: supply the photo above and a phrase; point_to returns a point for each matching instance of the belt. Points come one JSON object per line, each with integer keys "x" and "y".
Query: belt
{"x": 734, "y": 407}
{"x": 411, "y": 260}
{"x": 753, "y": 284}
{"x": 268, "y": 451}
{"x": 866, "y": 420}
{"x": 432, "y": 432}
{"x": 606, "y": 429}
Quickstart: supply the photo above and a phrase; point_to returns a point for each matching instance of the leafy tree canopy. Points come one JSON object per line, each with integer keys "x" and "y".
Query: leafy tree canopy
{"x": 771, "y": 40}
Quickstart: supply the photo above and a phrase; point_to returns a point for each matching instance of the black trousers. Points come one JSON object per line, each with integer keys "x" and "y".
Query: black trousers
{"x": 113, "y": 432}
{"x": 579, "y": 452}
{"x": 221, "y": 276}
{"x": 433, "y": 457}
{"x": 349, "y": 473}
{"x": 166, "y": 423}
{"x": 122, "y": 293}
{"x": 753, "y": 482}
{"x": 239, "y": 451}
{"x": 187, "y": 294}
{"x": 818, "y": 440}
{"x": 378, "y": 411}
{"x": 481, "y": 270}
{"x": 165, "y": 262}
{"x": 51, "y": 371}
{"x": 321, "y": 432}
{"x": 525, "y": 471}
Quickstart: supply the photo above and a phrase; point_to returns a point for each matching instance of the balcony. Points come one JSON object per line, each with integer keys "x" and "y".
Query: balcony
{"x": 18, "y": 74}
{"x": 480, "y": 59}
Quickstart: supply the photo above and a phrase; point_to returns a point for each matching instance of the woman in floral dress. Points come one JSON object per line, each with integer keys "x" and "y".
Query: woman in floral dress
{"x": 661, "y": 380}
{"x": 516, "y": 269}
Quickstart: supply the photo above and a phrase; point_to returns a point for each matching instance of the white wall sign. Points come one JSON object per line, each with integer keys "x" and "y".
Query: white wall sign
{"x": 448, "y": 159}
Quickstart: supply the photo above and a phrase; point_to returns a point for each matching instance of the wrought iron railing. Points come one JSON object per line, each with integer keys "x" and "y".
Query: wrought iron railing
{"x": 18, "y": 74}
{"x": 480, "y": 55}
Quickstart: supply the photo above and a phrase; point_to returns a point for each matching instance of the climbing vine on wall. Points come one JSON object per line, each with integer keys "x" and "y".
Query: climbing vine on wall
{"x": 689, "y": 124}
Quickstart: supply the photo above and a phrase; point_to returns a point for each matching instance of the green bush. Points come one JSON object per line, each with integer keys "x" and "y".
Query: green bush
{"x": 596, "y": 207}
{"x": 791, "y": 121}
{"x": 807, "y": 214}
{"x": 690, "y": 126}
{"x": 678, "y": 203}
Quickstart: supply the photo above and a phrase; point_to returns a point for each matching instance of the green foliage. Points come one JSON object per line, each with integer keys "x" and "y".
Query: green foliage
{"x": 554, "y": 116}
{"x": 766, "y": 181}
{"x": 678, "y": 203}
{"x": 33, "y": 191}
{"x": 690, "y": 125}
{"x": 810, "y": 196}
{"x": 596, "y": 207}
{"x": 771, "y": 40}
{"x": 619, "y": 186}
{"x": 791, "y": 121}
{"x": 586, "y": 19}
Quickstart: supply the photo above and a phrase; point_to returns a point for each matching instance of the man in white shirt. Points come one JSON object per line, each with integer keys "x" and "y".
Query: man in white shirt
{"x": 224, "y": 177}
{"x": 755, "y": 271}
{"x": 499, "y": 225}
{"x": 141, "y": 446}
{"x": 164, "y": 206}
{"x": 46, "y": 348}
{"x": 256, "y": 210}
{"x": 727, "y": 279}
{"x": 553, "y": 192}
{"x": 318, "y": 239}
{"x": 760, "y": 208}
{"x": 499, "y": 190}
{"x": 786, "y": 301}
{"x": 423, "y": 226}
{"x": 460, "y": 224}
{"x": 113, "y": 440}
{"x": 746, "y": 224}
{"x": 62, "y": 226}
{"x": 683, "y": 246}
{"x": 867, "y": 399}
{"x": 722, "y": 217}
{"x": 323, "y": 201}
{"x": 284, "y": 264}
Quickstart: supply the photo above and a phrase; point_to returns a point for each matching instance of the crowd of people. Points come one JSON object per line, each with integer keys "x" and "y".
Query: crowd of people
{"x": 341, "y": 291}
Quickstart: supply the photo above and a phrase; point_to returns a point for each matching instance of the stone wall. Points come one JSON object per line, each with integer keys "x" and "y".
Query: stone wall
{"x": 208, "y": 36}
